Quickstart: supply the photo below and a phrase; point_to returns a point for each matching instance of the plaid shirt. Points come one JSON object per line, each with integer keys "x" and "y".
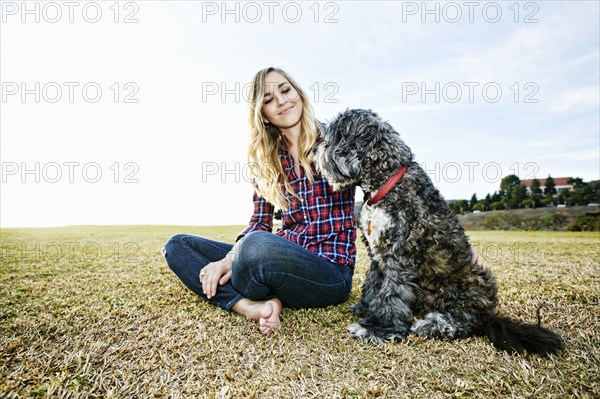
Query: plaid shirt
{"x": 322, "y": 222}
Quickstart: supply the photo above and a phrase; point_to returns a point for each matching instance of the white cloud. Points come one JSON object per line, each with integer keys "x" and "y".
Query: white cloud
{"x": 579, "y": 99}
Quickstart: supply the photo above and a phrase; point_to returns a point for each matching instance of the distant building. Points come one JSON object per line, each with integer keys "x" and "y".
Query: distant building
{"x": 559, "y": 182}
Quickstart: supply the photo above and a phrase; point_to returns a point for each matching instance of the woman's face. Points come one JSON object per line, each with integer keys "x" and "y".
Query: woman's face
{"x": 282, "y": 105}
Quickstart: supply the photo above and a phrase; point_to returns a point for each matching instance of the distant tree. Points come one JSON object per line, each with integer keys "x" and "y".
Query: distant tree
{"x": 496, "y": 205}
{"x": 461, "y": 206}
{"x": 512, "y": 194}
{"x": 496, "y": 197}
{"x": 458, "y": 207}
{"x": 548, "y": 200}
{"x": 564, "y": 196}
{"x": 579, "y": 191}
{"x": 576, "y": 182}
{"x": 536, "y": 187}
{"x": 473, "y": 201}
{"x": 550, "y": 186}
{"x": 575, "y": 196}
{"x": 484, "y": 204}
{"x": 527, "y": 203}
{"x": 536, "y": 193}
{"x": 519, "y": 195}
{"x": 509, "y": 182}
{"x": 593, "y": 191}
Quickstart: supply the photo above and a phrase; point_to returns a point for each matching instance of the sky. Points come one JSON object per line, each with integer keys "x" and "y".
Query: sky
{"x": 134, "y": 112}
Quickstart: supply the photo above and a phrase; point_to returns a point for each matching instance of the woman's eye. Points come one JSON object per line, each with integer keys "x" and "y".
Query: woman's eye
{"x": 267, "y": 101}
{"x": 285, "y": 90}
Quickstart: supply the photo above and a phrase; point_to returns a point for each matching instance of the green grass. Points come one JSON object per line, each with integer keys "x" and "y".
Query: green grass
{"x": 94, "y": 311}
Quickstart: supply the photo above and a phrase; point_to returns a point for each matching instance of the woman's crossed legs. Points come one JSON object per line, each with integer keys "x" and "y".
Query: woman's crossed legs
{"x": 268, "y": 272}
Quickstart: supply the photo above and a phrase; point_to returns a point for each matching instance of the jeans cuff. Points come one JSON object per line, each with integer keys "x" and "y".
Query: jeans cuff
{"x": 235, "y": 300}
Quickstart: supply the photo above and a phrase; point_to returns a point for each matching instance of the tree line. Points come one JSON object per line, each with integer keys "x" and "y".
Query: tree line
{"x": 514, "y": 195}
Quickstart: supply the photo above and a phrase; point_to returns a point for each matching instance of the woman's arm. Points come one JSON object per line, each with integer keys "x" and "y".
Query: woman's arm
{"x": 262, "y": 219}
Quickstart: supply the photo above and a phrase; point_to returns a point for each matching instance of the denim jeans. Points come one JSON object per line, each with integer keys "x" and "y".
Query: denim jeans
{"x": 264, "y": 265}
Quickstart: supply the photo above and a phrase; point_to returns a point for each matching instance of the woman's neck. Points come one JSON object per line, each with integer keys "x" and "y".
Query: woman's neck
{"x": 292, "y": 135}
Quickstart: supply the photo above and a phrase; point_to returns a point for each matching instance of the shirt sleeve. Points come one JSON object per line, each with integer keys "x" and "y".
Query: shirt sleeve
{"x": 262, "y": 219}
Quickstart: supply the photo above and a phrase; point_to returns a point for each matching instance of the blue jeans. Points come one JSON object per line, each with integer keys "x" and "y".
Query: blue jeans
{"x": 264, "y": 266}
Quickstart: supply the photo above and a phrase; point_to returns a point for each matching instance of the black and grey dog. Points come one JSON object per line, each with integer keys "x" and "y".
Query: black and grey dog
{"x": 421, "y": 260}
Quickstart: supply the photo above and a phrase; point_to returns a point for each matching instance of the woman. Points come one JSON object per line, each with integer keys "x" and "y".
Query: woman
{"x": 309, "y": 261}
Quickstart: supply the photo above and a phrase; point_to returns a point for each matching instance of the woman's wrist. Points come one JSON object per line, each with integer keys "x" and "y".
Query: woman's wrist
{"x": 228, "y": 260}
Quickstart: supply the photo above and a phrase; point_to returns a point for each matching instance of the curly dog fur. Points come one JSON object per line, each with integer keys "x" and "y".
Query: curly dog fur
{"x": 421, "y": 260}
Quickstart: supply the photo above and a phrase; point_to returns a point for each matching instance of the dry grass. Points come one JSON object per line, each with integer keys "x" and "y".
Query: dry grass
{"x": 95, "y": 312}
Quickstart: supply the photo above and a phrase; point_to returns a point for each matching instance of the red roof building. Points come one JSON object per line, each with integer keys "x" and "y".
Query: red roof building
{"x": 559, "y": 182}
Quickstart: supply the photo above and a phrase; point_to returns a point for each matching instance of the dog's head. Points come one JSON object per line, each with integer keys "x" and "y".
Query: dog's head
{"x": 358, "y": 142}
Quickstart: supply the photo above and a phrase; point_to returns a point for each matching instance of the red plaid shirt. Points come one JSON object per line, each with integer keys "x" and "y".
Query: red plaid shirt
{"x": 322, "y": 222}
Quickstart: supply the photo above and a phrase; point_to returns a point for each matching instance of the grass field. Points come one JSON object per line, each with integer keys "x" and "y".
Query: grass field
{"x": 94, "y": 311}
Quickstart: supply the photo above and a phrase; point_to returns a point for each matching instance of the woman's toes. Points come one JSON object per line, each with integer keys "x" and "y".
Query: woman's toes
{"x": 269, "y": 320}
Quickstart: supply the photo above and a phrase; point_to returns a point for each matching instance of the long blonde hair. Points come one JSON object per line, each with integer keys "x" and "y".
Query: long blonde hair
{"x": 267, "y": 172}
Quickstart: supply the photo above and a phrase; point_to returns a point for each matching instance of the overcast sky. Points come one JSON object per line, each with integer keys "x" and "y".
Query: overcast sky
{"x": 135, "y": 113}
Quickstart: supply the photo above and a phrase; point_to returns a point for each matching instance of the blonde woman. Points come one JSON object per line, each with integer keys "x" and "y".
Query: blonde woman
{"x": 309, "y": 261}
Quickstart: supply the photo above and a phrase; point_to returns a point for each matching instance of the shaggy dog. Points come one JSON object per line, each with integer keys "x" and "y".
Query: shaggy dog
{"x": 421, "y": 260}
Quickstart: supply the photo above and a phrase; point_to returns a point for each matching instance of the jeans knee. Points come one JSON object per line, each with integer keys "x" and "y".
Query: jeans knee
{"x": 172, "y": 243}
{"x": 251, "y": 255}
{"x": 254, "y": 248}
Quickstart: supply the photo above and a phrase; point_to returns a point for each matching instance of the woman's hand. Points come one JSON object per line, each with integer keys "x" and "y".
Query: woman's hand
{"x": 214, "y": 274}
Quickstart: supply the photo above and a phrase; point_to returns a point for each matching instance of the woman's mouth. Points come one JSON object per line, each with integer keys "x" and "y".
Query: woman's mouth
{"x": 285, "y": 111}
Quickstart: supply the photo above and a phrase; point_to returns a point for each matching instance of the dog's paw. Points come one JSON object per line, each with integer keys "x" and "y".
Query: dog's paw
{"x": 364, "y": 334}
{"x": 357, "y": 330}
{"x": 435, "y": 325}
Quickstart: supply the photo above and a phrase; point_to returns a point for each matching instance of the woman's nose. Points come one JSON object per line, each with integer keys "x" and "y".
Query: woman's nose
{"x": 280, "y": 98}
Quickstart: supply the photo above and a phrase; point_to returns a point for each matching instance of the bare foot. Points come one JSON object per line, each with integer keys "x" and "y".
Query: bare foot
{"x": 266, "y": 313}
{"x": 269, "y": 316}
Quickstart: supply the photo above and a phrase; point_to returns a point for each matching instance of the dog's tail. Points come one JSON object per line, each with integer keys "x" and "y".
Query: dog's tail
{"x": 515, "y": 336}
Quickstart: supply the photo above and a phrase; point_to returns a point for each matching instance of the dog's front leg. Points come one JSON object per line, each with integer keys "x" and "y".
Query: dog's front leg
{"x": 384, "y": 310}
{"x": 369, "y": 289}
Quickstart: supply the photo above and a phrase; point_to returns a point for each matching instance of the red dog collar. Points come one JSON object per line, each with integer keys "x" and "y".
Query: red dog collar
{"x": 389, "y": 184}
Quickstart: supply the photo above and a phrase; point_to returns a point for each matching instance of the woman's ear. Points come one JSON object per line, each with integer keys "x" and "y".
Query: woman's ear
{"x": 265, "y": 120}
